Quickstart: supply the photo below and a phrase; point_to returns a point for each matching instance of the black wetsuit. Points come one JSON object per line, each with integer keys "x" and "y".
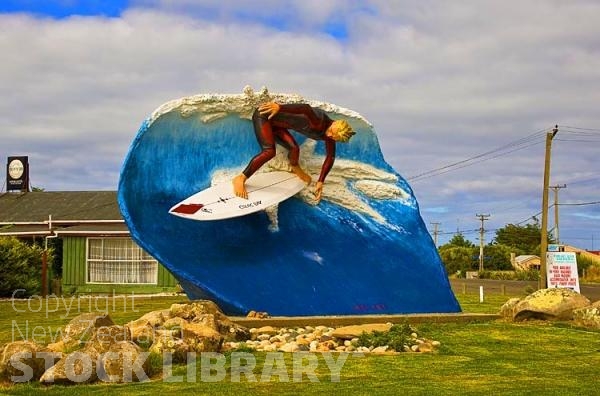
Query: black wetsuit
{"x": 302, "y": 118}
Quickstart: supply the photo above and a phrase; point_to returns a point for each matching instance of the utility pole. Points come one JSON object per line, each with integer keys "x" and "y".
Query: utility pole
{"x": 483, "y": 218}
{"x": 556, "y": 232}
{"x": 436, "y": 232}
{"x": 544, "y": 230}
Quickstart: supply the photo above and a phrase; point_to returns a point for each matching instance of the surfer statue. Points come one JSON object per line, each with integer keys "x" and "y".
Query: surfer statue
{"x": 271, "y": 123}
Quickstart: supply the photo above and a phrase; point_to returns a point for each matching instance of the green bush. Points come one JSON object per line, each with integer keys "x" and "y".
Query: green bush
{"x": 497, "y": 257}
{"x": 529, "y": 275}
{"x": 155, "y": 364}
{"x": 243, "y": 347}
{"x": 458, "y": 258}
{"x": 20, "y": 267}
{"x": 398, "y": 336}
{"x": 592, "y": 274}
{"x": 583, "y": 264}
{"x": 497, "y": 275}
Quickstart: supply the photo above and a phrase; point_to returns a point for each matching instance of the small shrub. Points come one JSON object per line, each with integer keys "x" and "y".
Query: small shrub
{"x": 584, "y": 264}
{"x": 592, "y": 274}
{"x": 155, "y": 364}
{"x": 144, "y": 343}
{"x": 20, "y": 267}
{"x": 497, "y": 275}
{"x": 484, "y": 274}
{"x": 530, "y": 275}
{"x": 398, "y": 336}
{"x": 243, "y": 347}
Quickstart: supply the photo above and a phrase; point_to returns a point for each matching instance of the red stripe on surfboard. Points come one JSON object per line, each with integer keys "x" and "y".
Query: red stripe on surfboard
{"x": 188, "y": 208}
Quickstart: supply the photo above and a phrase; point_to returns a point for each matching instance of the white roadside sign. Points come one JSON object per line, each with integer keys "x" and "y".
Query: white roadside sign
{"x": 561, "y": 270}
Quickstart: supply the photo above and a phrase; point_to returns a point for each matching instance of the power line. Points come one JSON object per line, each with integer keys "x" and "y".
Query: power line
{"x": 417, "y": 178}
{"x": 582, "y": 180}
{"x": 528, "y": 219}
{"x": 526, "y": 142}
{"x": 579, "y": 128}
{"x": 516, "y": 145}
{"x": 459, "y": 232}
{"x": 580, "y": 203}
{"x": 582, "y": 133}
{"x": 560, "y": 204}
{"x": 577, "y": 140}
{"x": 521, "y": 141}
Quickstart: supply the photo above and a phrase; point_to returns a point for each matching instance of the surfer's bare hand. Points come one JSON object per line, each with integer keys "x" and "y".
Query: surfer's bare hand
{"x": 269, "y": 109}
{"x": 318, "y": 191}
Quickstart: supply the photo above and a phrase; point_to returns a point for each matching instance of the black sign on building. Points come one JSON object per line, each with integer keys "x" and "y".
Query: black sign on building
{"x": 17, "y": 174}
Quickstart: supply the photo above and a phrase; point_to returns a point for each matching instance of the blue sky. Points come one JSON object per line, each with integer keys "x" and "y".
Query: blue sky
{"x": 283, "y": 21}
{"x": 65, "y": 8}
{"x": 463, "y": 90}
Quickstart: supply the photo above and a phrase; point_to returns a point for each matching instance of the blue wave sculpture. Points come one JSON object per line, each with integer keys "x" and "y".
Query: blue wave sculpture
{"x": 363, "y": 250}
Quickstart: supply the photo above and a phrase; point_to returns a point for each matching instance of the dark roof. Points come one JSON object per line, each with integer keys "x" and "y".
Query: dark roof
{"x": 31, "y": 230}
{"x": 34, "y": 207}
{"x": 94, "y": 229}
{"x": 25, "y": 229}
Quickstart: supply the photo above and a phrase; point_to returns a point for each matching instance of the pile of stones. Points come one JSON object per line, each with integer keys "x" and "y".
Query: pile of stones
{"x": 93, "y": 348}
{"x": 325, "y": 339}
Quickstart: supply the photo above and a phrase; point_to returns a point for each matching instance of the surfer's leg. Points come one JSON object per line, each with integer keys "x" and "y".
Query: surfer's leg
{"x": 239, "y": 186}
{"x": 285, "y": 138}
{"x": 266, "y": 140}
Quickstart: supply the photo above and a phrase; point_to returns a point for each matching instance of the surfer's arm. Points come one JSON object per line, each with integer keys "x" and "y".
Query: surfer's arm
{"x": 318, "y": 191}
{"x": 329, "y": 159}
{"x": 327, "y": 165}
{"x": 303, "y": 109}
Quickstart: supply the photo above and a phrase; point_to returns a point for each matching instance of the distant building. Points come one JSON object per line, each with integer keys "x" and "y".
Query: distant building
{"x": 590, "y": 255}
{"x": 98, "y": 254}
{"x": 525, "y": 262}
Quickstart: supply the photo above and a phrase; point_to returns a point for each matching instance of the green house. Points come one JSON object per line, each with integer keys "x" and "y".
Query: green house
{"x": 98, "y": 254}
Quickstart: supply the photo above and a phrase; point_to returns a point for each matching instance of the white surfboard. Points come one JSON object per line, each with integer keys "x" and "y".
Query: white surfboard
{"x": 219, "y": 202}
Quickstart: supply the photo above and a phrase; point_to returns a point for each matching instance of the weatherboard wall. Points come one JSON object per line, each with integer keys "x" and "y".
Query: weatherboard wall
{"x": 74, "y": 274}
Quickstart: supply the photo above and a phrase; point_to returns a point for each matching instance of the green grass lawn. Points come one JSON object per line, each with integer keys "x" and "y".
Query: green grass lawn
{"x": 493, "y": 358}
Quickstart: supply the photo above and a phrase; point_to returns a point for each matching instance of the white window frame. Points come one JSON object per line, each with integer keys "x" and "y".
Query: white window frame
{"x": 139, "y": 252}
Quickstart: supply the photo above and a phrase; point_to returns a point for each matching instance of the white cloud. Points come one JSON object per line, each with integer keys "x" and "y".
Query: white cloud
{"x": 440, "y": 81}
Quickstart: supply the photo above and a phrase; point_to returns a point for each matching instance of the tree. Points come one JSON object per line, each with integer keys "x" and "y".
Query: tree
{"x": 497, "y": 257}
{"x": 458, "y": 254}
{"x": 458, "y": 258}
{"x": 458, "y": 240}
{"x": 525, "y": 239}
{"x": 20, "y": 267}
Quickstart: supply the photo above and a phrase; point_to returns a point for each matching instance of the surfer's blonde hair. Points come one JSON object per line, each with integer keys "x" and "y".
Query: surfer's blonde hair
{"x": 342, "y": 132}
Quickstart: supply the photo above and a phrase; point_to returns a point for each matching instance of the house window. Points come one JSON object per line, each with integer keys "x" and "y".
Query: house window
{"x": 119, "y": 260}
